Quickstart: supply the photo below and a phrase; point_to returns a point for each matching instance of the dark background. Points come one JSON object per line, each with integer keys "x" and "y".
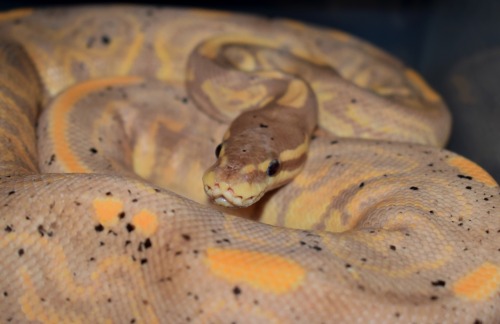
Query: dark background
{"x": 455, "y": 44}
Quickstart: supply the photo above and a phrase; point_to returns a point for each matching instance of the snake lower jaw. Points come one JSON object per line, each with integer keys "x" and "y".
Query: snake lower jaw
{"x": 227, "y": 198}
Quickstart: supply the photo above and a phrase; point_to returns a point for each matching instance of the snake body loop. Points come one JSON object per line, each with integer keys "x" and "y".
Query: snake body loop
{"x": 109, "y": 119}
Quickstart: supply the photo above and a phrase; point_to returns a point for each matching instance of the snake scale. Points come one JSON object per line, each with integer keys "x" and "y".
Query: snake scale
{"x": 109, "y": 119}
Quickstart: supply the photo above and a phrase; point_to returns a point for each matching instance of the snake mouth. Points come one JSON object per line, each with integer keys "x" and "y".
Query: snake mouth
{"x": 227, "y": 197}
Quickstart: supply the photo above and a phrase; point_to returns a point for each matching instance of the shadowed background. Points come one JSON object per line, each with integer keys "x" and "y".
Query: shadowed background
{"x": 455, "y": 44}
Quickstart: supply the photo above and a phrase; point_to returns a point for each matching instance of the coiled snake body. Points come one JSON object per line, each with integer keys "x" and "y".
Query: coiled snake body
{"x": 376, "y": 222}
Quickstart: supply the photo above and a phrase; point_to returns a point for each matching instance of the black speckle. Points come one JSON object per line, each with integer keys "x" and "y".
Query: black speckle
{"x": 109, "y": 193}
{"x": 329, "y": 156}
{"x": 186, "y": 237}
{"x": 414, "y": 188}
{"x": 147, "y": 243}
{"x": 8, "y": 229}
{"x": 353, "y": 100}
{"x": 433, "y": 298}
{"x": 6, "y": 294}
{"x": 44, "y": 232}
{"x": 93, "y": 150}
{"x": 347, "y": 265}
{"x": 236, "y": 290}
{"x": 105, "y": 39}
{"x": 478, "y": 321}
{"x": 362, "y": 184}
{"x": 263, "y": 125}
{"x": 397, "y": 315}
{"x": 392, "y": 247}
{"x": 99, "y": 228}
{"x": 130, "y": 227}
{"x": 121, "y": 215}
{"x": 144, "y": 261}
{"x": 52, "y": 159}
{"x": 135, "y": 200}
{"x": 20, "y": 252}
{"x": 461, "y": 176}
{"x": 468, "y": 187}
{"x": 12, "y": 192}
{"x": 333, "y": 142}
{"x": 184, "y": 100}
{"x": 438, "y": 283}
{"x": 317, "y": 248}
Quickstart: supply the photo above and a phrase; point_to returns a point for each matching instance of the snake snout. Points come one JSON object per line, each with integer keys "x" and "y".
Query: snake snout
{"x": 223, "y": 194}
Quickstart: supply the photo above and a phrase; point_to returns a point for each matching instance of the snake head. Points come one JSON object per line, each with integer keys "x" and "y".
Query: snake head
{"x": 238, "y": 179}
{"x": 252, "y": 161}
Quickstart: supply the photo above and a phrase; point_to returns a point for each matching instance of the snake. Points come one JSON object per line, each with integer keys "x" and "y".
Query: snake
{"x": 330, "y": 198}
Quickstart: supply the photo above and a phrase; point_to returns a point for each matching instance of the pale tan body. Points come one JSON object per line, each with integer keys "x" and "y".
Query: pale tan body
{"x": 416, "y": 230}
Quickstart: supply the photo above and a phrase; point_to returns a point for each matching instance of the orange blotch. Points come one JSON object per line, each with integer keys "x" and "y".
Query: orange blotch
{"x": 470, "y": 168}
{"x": 145, "y": 222}
{"x": 15, "y": 14}
{"x": 60, "y": 110}
{"x": 480, "y": 283}
{"x": 107, "y": 210}
{"x": 425, "y": 89}
{"x": 264, "y": 271}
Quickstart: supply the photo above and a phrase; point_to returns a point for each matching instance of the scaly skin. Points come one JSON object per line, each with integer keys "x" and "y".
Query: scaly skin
{"x": 103, "y": 111}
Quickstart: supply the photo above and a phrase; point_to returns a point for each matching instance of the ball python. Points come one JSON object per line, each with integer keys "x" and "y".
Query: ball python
{"x": 113, "y": 207}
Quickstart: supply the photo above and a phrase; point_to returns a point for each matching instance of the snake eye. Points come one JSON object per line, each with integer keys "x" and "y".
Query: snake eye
{"x": 273, "y": 168}
{"x": 217, "y": 150}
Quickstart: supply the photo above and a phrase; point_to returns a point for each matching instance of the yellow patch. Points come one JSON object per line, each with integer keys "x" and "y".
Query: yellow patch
{"x": 145, "y": 222}
{"x": 296, "y": 95}
{"x": 15, "y": 14}
{"x": 33, "y": 307}
{"x": 341, "y": 36}
{"x": 165, "y": 70}
{"x": 241, "y": 59}
{"x": 144, "y": 157}
{"x": 234, "y": 101}
{"x": 131, "y": 55}
{"x": 248, "y": 169}
{"x": 107, "y": 210}
{"x": 480, "y": 284}
{"x": 211, "y": 48}
{"x": 305, "y": 211}
{"x": 268, "y": 272}
{"x": 470, "y": 168}
{"x": 417, "y": 80}
{"x": 295, "y": 153}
